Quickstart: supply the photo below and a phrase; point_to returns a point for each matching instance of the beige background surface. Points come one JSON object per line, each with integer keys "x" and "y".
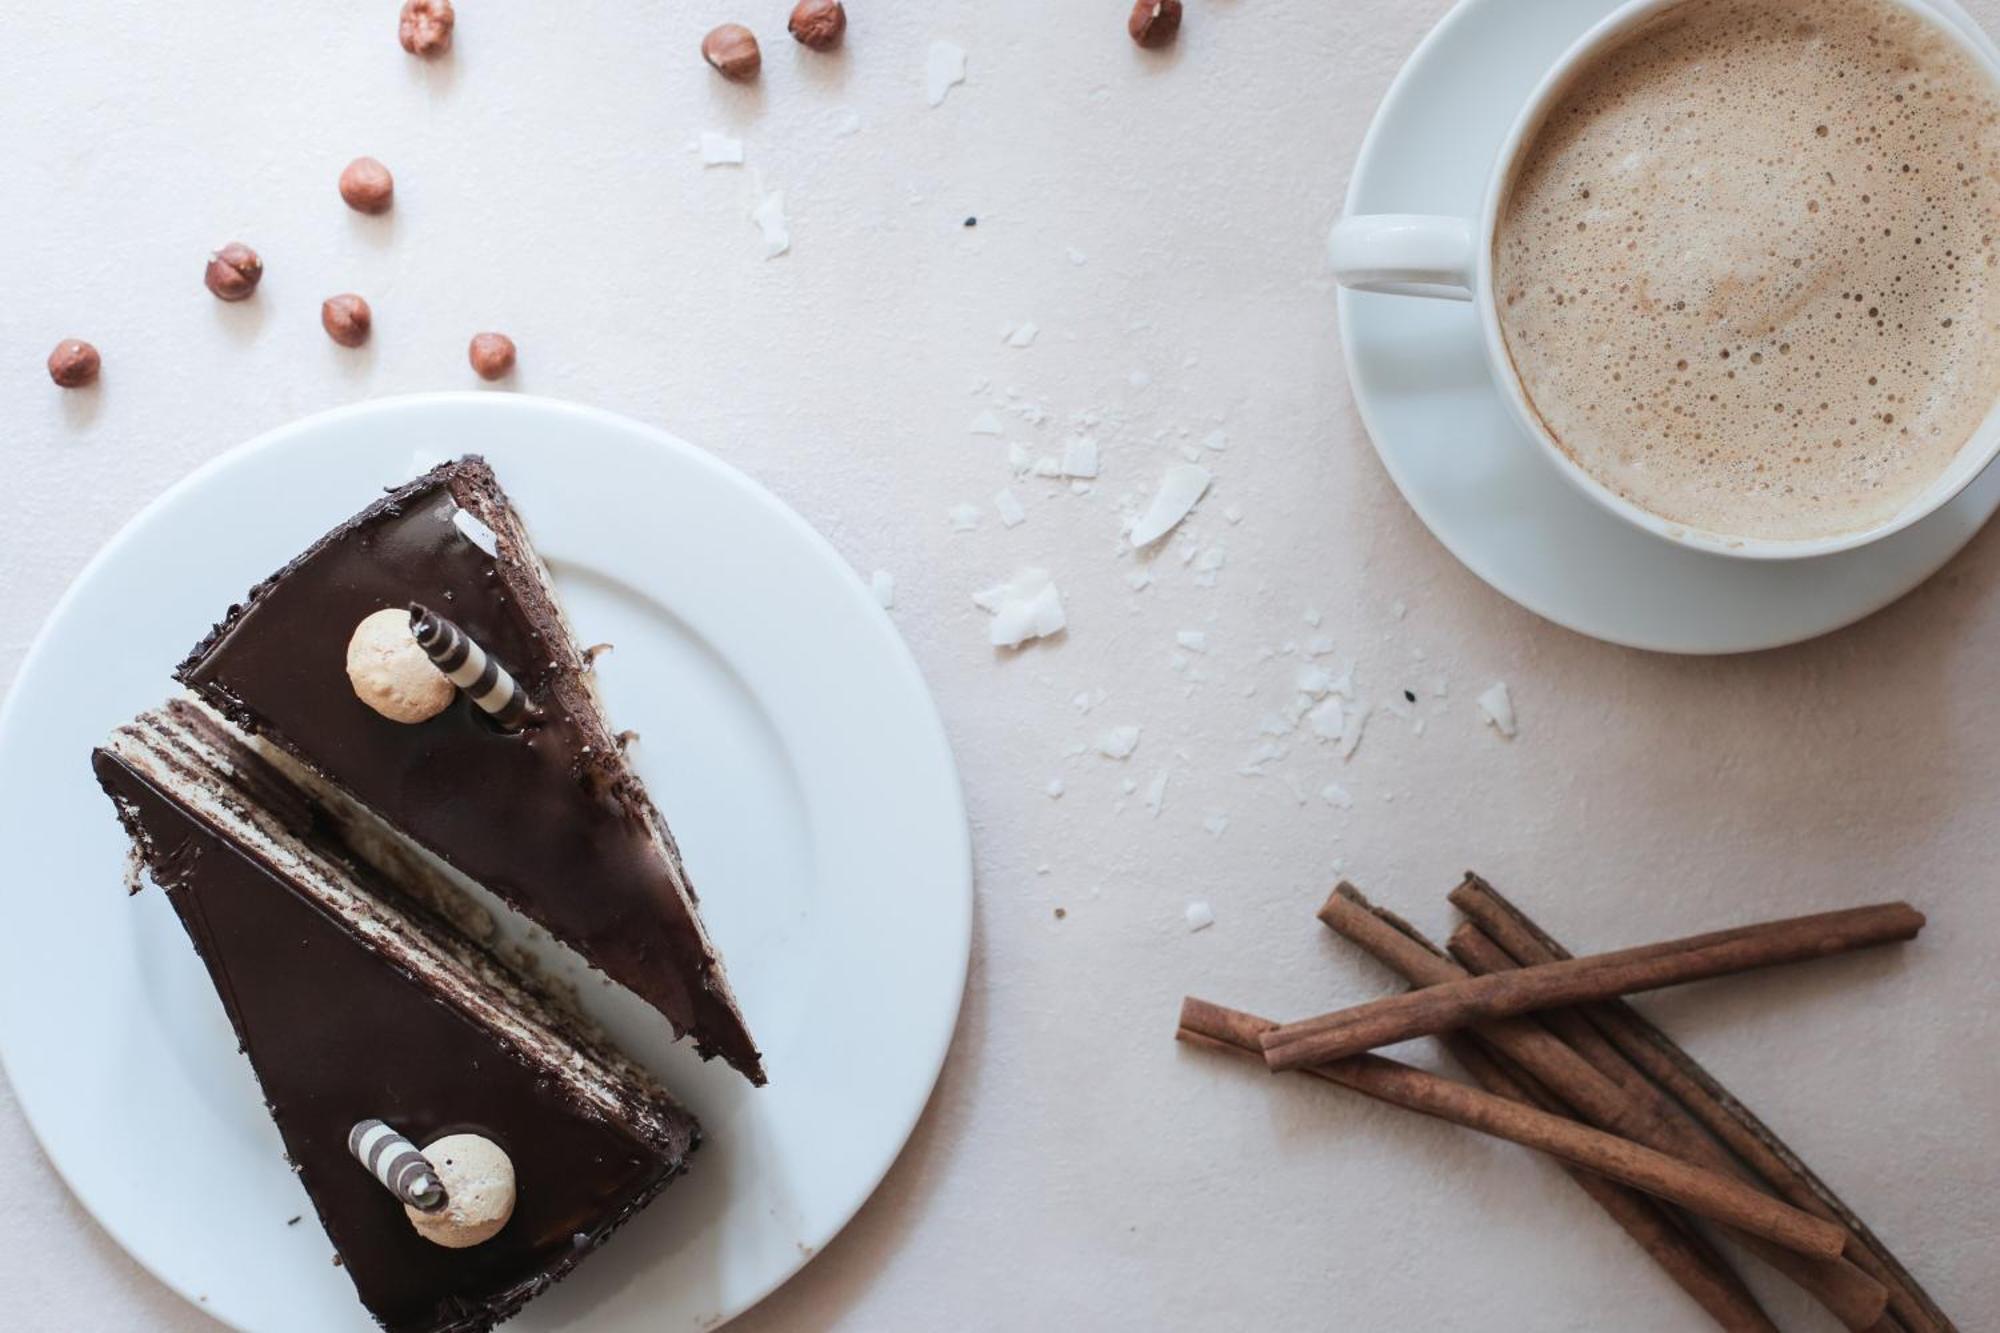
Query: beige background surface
{"x": 1075, "y": 1168}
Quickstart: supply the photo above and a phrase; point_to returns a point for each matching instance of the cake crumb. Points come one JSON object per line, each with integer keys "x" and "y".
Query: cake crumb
{"x": 1061, "y": 912}
{"x": 1497, "y": 706}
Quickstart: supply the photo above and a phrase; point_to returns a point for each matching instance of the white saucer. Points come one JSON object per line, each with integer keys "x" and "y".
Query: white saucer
{"x": 785, "y": 731}
{"x": 1480, "y": 484}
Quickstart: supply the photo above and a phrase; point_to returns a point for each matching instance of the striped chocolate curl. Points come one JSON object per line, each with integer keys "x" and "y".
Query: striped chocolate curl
{"x": 395, "y": 1161}
{"x": 468, "y": 666}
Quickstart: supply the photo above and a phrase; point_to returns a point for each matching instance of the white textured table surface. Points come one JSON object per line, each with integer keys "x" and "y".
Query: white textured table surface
{"x": 1160, "y": 220}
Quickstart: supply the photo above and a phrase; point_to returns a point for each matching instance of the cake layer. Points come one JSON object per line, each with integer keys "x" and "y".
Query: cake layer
{"x": 549, "y": 817}
{"x": 353, "y": 1003}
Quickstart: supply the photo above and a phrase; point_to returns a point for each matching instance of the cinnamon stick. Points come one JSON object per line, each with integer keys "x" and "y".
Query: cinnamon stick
{"x": 1456, "y": 1004}
{"x": 1686, "y": 1258}
{"x": 1850, "y": 1294}
{"x": 1712, "y": 1105}
{"x": 1700, "y": 1191}
{"x": 1683, "y": 1255}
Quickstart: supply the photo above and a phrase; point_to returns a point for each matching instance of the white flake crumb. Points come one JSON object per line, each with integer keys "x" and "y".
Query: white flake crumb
{"x": 1080, "y": 457}
{"x": 476, "y": 532}
{"x": 964, "y": 517}
{"x": 1082, "y": 702}
{"x": 1336, "y": 795}
{"x": 1138, "y": 379}
{"x": 1119, "y": 742}
{"x": 1398, "y": 609}
{"x": 1127, "y": 786}
{"x": 1019, "y": 459}
{"x": 1315, "y": 680}
{"x": 1180, "y": 488}
{"x": 1009, "y": 509}
{"x": 1498, "y": 707}
{"x": 1077, "y": 257}
{"x": 1054, "y": 789}
{"x": 769, "y": 217}
{"x": 1354, "y": 719}
{"x": 1215, "y": 441}
{"x": 1440, "y": 687}
{"x": 846, "y": 121}
{"x": 1206, "y": 564}
{"x": 884, "y": 585}
{"x": 1028, "y": 606}
{"x": 1312, "y": 617}
{"x": 1179, "y": 661}
{"x": 1156, "y": 792}
{"x": 1276, "y": 724}
{"x": 1319, "y": 645}
{"x": 1080, "y": 488}
{"x": 1267, "y": 752}
{"x": 944, "y": 67}
{"x": 1022, "y": 334}
{"x": 1216, "y": 823}
{"x": 1047, "y": 467}
{"x": 1234, "y": 513}
{"x": 986, "y": 424}
{"x": 720, "y": 150}
{"x": 1139, "y": 579}
{"x": 1200, "y": 916}
{"x": 1194, "y": 640}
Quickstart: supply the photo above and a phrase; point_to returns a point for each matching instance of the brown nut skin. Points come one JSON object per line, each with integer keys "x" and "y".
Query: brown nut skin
{"x": 346, "y": 319}
{"x": 732, "y": 50}
{"x": 367, "y": 186}
{"x": 1154, "y": 23}
{"x": 234, "y": 272}
{"x": 818, "y": 24}
{"x": 74, "y": 363}
{"x": 491, "y": 354}
{"x": 425, "y": 27}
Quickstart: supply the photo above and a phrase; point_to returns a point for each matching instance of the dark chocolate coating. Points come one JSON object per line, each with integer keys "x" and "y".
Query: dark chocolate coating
{"x": 337, "y": 1033}
{"x": 549, "y": 817}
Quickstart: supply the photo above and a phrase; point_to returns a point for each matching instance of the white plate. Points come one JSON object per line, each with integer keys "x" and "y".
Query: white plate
{"x": 1480, "y": 484}
{"x": 785, "y": 731}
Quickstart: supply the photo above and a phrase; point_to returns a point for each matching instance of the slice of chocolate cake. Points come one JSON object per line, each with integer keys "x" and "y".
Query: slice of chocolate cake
{"x": 514, "y": 779}
{"x": 354, "y": 1005}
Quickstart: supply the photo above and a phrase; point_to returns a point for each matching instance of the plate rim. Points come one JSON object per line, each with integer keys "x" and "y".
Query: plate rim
{"x": 1528, "y": 599}
{"x": 928, "y": 716}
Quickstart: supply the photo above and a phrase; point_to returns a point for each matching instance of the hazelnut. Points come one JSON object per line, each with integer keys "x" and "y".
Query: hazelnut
{"x": 74, "y": 363}
{"x": 1154, "y": 22}
{"x": 234, "y": 271}
{"x": 818, "y": 24}
{"x": 346, "y": 319}
{"x": 732, "y": 49}
{"x": 492, "y": 355}
{"x": 425, "y": 27}
{"x": 367, "y": 186}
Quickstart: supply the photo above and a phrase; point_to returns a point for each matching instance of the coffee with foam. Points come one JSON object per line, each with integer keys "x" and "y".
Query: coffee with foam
{"x": 1746, "y": 267}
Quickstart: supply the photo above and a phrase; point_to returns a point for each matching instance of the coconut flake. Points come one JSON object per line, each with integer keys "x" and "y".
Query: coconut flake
{"x": 769, "y": 217}
{"x": 1498, "y": 707}
{"x": 470, "y": 528}
{"x": 1156, "y": 792}
{"x": 1234, "y": 513}
{"x": 1119, "y": 742}
{"x": 884, "y": 585}
{"x": 1047, "y": 467}
{"x": 986, "y": 424}
{"x": 1009, "y": 509}
{"x": 1200, "y": 916}
{"x": 944, "y": 67}
{"x": 1216, "y": 823}
{"x": 1319, "y": 645}
{"x": 1355, "y": 717}
{"x": 964, "y": 517}
{"x": 1028, "y": 606}
{"x": 1077, "y": 257}
{"x": 1315, "y": 680}
{"x": 846, "y": 121}
{"x": 1019, "y": 459}
{"x": 1194, "y": 640}
{"x": 1180, "y": 487}
{"x": 1022, "y": 334}
{"x": 1215, "y": 441}
{"x": 720, "y": 150}
{"x": 1080, "y": 457}
{"x": 1336, "y": 795}
{"x": 1139, "y": 579}
{"x": 1054, "y": 789}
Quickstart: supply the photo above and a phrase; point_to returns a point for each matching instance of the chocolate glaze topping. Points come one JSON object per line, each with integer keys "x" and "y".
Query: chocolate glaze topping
{"x": 548, "y": 817}
{"x": 337, "y": 1032}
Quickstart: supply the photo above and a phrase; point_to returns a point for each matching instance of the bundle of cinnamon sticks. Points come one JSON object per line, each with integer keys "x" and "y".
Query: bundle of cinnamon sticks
{"x": 1565, "y": 1067}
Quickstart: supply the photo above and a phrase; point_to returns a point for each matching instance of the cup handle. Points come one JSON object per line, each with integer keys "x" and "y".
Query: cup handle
{"x": 1404, "y": 254}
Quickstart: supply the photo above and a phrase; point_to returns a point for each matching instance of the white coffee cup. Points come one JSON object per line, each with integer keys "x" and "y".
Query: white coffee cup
{"x": 1452, "y": 259}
